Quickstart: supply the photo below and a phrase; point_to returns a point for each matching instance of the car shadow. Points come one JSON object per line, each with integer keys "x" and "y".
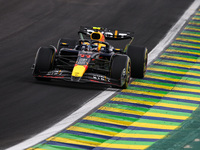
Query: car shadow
{"x": 75, "y": 85}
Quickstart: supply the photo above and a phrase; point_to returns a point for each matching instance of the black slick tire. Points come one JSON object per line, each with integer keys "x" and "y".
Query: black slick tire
{"x": 138, "y": 56}
{"x": 120, "y": 70}
{"x": 43, "y": 62}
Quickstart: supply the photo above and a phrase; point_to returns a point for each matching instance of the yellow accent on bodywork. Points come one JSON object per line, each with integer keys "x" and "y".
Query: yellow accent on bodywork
{"x": 78, "y": 71}
{"x": 97, "y": 28}
{"x": 116, "y": 32}
{"x": 100, "y": 45}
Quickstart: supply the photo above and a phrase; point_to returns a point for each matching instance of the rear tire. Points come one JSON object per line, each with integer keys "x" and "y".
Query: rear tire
{"x": 44, "y": 62}
{"x": 121, "y": 70}
{"x": 66, "y": 43}
{"x": 138, "y": 56}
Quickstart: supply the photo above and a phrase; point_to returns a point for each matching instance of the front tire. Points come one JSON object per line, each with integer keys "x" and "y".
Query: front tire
{"x": 138, "y": 56}
{"x": 121, "y": 70}
{"x": 43, "y": 62}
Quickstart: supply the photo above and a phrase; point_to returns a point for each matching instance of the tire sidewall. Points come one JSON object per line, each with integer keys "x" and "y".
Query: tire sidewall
{"x": 44, "y": 60}
{"x": 119, "y": 69}
{"x": 138, "y": 56}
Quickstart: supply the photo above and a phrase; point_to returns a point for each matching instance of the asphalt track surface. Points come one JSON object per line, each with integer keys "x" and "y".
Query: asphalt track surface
{"x": 27, "y": 106}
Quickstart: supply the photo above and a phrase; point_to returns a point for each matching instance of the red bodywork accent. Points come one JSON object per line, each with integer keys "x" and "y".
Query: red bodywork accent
{"x": 94, "y": 81}
{"x": 86, "y": 67}
{"x": 83, "y": 55}
{"x": 103, "y": 38}
{"x": 49, "y": 76}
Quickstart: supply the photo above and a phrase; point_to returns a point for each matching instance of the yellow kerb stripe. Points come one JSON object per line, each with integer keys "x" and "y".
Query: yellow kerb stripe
{"x": 153, "y": 85}
{"x": 80, "y": 129}
{"x": 135, "y": 101}
{"x": 133, "y": 135}
{"x": 164, "y": 70}
{"x": 143, "y": 92}
{"x": 194, "y": 18}
{"x": 192, "y": 28}
{"x": 122, "y": 110}
{"x": 194, "y": 23}
{"x": 162, "y": 78}
{"x": 183, "y": 97}
{"x": 123, "y": 146}
{"x": 70, "y": 141}
{"x": 195, "y": 67}
{"x": 183, "y": 45}
{"x": 178, "y": 58}
{"x": 172, "y": 64}
{"x": 175, "y": 106}
{"x": 190, "y": 34}
{"x": 193, "y": 74}
{"x": 188, "y": 81}
{"x": 105, "y": 120}
{"x": 180, "y": 51}
{"x": 155, "y": 126}
{"x": 186, "y": 89}
{"x": 151, "y": 114}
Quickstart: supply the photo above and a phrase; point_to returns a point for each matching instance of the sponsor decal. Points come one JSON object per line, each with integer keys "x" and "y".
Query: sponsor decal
{"x": 101, "y": 78}
{"x": 82, "y": 61}
{"x": 55, "y": 73}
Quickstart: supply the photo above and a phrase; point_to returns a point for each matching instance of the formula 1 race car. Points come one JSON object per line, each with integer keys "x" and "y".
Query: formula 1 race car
{"x": 92, "y": 59}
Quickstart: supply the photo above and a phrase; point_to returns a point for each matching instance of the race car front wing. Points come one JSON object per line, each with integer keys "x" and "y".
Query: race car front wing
{"x": 87, "y": 77}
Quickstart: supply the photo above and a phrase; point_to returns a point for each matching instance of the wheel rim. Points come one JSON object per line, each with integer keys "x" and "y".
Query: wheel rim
{"x": 128, "y": 74}
{"x": 145, "y": 61}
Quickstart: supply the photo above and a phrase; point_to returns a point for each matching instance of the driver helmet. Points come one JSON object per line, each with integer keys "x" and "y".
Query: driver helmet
{"x": 94, "y": 47}
{"x": 85, "y": 46}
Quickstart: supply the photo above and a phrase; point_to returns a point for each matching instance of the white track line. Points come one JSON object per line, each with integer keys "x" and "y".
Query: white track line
{"x": 106, "y": 94}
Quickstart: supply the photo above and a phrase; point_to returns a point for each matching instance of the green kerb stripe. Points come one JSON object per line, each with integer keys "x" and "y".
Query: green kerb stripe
{"x": 114, "y": 117}
{"x": 168, "y": 112}
{"x": 158, "y": 122}
{"x": 144, "y": 132}
{"x": 184, "y": 49}
{"x": 147, "y": 90}
{"x": 138, "y": 98}
{"x": 129, "y": 142}
{"x": 126, "y": 107}
{"x": 168, "y": 68}
{"x": 55, "y": 147}
{"x": 79, "y": 137}
{"x": 164, "y": 75}
{"x": 180, "y": 103}
{"x": 155, "y": 82}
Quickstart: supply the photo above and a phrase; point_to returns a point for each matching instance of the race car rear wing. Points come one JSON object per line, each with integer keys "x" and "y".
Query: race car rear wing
{"x": 108, "y": 33}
